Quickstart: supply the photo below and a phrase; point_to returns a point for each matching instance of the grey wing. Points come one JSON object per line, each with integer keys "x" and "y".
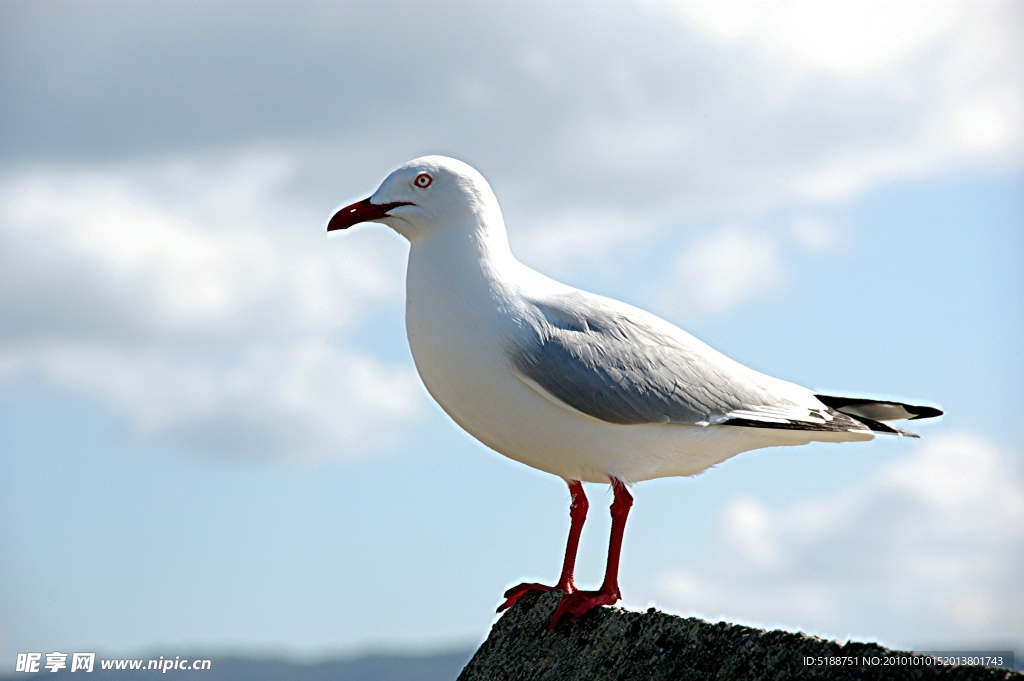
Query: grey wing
{"x": 617, "y": 364}
{"x": 622, "y": 365}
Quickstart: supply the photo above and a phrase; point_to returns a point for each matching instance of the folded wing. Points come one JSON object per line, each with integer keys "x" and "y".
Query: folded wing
{"x": 622, "y": 365}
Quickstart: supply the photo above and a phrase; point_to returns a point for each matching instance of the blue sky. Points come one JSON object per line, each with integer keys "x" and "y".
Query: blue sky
{"x": 212, "y": 434}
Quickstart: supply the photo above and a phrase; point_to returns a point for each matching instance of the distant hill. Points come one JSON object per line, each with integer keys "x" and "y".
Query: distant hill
{"x": 433, "y": 667}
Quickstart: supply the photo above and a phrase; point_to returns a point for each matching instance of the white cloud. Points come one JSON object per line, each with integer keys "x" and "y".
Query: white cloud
{"x": 926, "y": 552}
{"x": 844, "y": 36}
{"x": 733, "y": 266}
{"x": 728, "y": 268}
{"x": 751, "y": 602}
{"x": 299, "y": 399}
{"x": 982, "y": 124}
{"x": 590, "y": 242}
{"x": 212, "y": 255}
{"x": 199, "y": 305}
{"x": 857, "y": 93}
{"x": 769, "y": 104}
{"x": 642, "y": 108}
{"x": 816, "y": 237}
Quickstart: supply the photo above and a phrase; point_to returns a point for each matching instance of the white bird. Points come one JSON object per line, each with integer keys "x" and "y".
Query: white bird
{"x": 572, "y": 383}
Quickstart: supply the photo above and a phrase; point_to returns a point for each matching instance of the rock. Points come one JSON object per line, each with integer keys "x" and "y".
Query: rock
{"x": 617, "y": 644}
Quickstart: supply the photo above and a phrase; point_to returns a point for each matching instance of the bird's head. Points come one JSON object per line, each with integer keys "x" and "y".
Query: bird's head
{"x": 423, "y": 198}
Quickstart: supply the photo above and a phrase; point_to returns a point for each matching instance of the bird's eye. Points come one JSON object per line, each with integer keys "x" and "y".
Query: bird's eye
{"x": 423, "y": 180}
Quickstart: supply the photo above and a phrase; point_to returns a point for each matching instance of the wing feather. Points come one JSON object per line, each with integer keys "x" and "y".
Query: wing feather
{"x": 622, "y": 365}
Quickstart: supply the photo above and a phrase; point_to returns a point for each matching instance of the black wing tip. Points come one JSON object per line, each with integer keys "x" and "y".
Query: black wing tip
{"x": 921, "y": 412}
{"x": 916, "y": 411}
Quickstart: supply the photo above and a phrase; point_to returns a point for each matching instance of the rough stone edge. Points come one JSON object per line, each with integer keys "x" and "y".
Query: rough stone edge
{"x": 618, "y": 644}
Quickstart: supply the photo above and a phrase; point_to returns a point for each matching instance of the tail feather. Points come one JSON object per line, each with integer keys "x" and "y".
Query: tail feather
{"x": 875, "y": 413}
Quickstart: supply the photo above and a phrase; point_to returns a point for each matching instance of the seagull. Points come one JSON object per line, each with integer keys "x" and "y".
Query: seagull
{"x": 575, "y": 384}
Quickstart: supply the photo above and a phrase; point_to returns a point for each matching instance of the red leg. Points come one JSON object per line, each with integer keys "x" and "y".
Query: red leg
{"x": 577, "y": 515}
{"x": 577, "y": 603}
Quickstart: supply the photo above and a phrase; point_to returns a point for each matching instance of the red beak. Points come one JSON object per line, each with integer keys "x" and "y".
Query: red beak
{"x": 361, "y": 211}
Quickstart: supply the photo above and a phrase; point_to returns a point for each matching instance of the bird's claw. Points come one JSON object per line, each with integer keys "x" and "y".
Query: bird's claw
{"x": 578, "y": 603}
{"x": 517, "y": 592}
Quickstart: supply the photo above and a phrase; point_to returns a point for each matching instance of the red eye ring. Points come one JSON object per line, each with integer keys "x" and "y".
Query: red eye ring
{"x": 423, "y": 180}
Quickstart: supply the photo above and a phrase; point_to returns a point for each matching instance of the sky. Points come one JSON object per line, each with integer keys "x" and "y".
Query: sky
{"x": 212, "y": 435}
